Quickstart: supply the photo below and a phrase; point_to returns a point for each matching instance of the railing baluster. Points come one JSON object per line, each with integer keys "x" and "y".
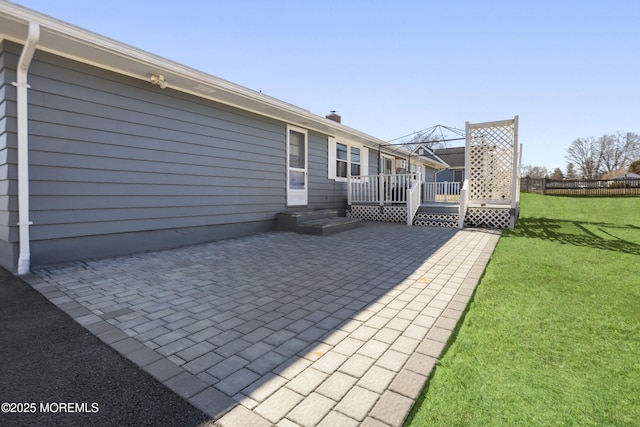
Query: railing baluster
{"x": 393, "y": 189}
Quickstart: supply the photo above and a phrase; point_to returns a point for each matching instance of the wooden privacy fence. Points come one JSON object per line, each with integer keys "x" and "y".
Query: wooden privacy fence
{"x": 582, "y": 187}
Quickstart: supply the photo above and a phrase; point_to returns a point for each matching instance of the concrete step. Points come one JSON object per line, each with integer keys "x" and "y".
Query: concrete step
{"x": 289, "y": 220}
{"x": 319, "y": 222}
{"x": 327, "y": 226}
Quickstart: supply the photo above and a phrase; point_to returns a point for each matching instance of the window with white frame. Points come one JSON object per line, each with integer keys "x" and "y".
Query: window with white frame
{"x": 387, "y": 165}
{"x": 342, "y": 160}
{"x": 346, "y": 158}
{"x": 355, "y": 161}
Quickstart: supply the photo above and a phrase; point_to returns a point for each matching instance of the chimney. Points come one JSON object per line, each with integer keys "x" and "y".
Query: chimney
{"x": 333, "y": 116}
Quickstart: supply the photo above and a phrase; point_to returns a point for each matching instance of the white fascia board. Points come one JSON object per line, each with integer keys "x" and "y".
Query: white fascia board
{"x": 75, "y": 43}
{"x": 435, "y": 165}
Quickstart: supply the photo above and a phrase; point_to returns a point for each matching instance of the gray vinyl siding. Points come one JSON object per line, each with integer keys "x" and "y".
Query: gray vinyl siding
{"x": 374, "y": 161}
{"x": 113, "y": 155}
{"x": 429, "y": 174}
{"x": 447, "y": 175}
{"x": 117, "y": 165}
{"x": 327, "y": 193}
{"x": 324, "y": 193}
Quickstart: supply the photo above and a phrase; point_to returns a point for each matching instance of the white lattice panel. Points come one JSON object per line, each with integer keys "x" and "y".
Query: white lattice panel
{"x": 491, "y": 155}
{"x": 375, "y": 213}
{"x": 488, "y": 218}
{"x": 427, "y": 223}
{"x": 437, "y": 217}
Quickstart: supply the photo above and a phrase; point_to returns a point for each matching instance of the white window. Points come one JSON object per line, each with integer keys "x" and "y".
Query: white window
{"x": 346, "y": 158}
{"x": 342, "y": 161}
{"x": 387, "y": 165}
{"x": 355, "y": 161}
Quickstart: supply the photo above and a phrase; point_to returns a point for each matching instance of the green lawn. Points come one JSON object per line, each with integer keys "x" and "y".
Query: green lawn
{"x": 552, "y": 334}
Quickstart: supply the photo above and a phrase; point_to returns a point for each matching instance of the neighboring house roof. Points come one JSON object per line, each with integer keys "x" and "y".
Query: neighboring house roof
{"x": 426, "y": 156}
{"x": 454, "y": 156}
{"x": 627, "y": 175}
{"x": 78, "y": 44}
{"x": 430, "y": 157}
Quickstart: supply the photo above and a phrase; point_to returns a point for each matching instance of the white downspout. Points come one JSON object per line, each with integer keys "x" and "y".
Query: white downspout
{"x": 24, "y": 259}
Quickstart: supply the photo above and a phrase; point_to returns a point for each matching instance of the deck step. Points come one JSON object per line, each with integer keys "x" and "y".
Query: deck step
{"x": 434, "y": 209}
{"x": 319, "y": 222}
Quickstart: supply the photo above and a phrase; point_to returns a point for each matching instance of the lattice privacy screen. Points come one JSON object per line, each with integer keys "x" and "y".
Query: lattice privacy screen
{"x": 488, "y": 218}
{"x": 491, "y": 161}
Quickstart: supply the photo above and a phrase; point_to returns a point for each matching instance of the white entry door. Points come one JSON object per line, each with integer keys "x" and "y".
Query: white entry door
{"x": 297, "y": 176}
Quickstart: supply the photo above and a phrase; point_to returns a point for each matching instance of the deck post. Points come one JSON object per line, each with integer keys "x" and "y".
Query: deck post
{"x": 408, "y": 195}
{"x": 381, "y": 189}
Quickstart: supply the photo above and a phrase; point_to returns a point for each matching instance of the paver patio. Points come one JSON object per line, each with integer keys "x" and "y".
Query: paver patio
{"x": 282, "y": 328}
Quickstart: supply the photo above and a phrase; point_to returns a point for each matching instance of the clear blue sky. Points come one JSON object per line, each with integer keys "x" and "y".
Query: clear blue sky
{"x": 568, "y": 69}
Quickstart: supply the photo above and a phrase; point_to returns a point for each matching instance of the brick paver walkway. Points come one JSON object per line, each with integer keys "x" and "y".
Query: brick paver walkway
{"x": 281, "y": 328}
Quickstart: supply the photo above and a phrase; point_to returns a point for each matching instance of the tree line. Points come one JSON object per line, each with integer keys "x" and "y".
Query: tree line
{"x": 596, "y": 158}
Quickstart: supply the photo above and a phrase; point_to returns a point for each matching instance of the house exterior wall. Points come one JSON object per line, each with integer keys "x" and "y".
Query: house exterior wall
{"x": 324, "y": 193}
{"x": 429, "y": 174}
{"x": 118, "y": 165}
{"x": 447, "y": 175}
{"x": 374, "y": 162}
{"x": 455, "y": 158}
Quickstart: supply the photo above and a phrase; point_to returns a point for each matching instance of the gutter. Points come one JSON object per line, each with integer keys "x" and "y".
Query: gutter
{"x": 24, "y": 259}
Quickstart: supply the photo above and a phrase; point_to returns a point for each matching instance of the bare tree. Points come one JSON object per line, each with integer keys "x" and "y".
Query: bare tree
{"x": 591, "y": 168}
{"x": 571, "y": 171}
{"x": 535, "y": 172}
{"x": 617, "y": 151}
{"x": 607, "y": 154}
{"x": 585, "y": 153}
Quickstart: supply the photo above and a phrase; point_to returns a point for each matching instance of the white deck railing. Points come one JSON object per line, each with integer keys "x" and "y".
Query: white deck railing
{"x": 413, "y": 200}
{"x": 380, "y": 189}
{"x": 441, "y": 192}
{"x": 363, "y": 189}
